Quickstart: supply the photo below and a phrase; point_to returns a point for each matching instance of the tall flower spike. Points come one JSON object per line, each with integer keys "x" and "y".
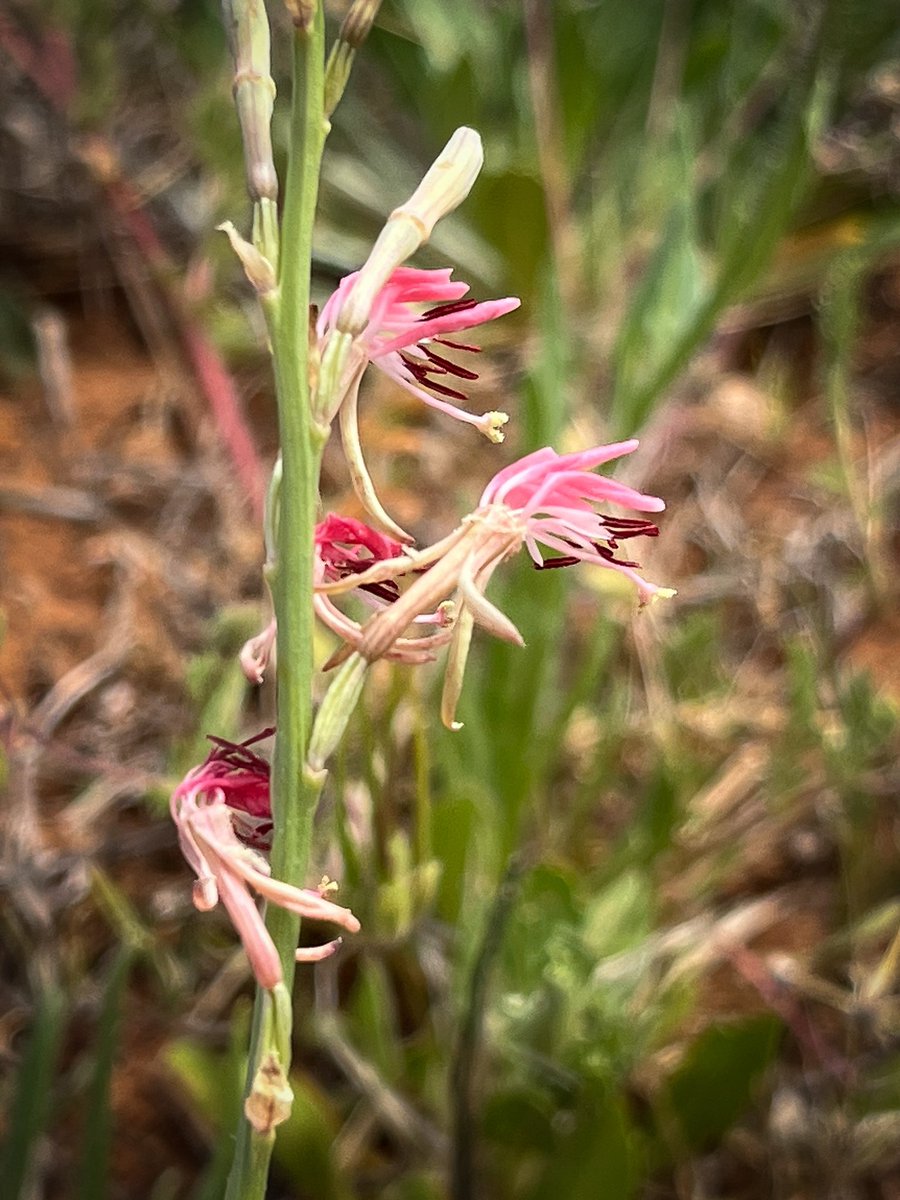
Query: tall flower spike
{"x": 544, "y": 499}
{"x": 218, "y": 808}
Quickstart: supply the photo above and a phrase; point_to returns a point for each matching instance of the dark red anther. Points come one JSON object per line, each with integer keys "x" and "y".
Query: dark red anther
{"x": 420, "y": 373}
{"x": 457, "y": 345}
{"x": 447, "y": 365}
{"x": 445, "y": 310}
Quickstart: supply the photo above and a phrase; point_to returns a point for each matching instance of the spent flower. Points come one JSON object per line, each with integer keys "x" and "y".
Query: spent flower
{"x": 222, "y": 811}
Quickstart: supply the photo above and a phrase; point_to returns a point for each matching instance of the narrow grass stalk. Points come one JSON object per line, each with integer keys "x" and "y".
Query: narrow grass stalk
{"x": 295, "y": 792}
{"x": 97, "y": 1133}
{"x": 30, "y": 1110}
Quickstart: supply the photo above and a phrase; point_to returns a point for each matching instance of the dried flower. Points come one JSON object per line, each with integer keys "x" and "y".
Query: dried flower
{"x": 221, "y": 809}
{"x": 347, "y": 549}
{"x": 256, "y": 653}
{"x": 543, "y": 499}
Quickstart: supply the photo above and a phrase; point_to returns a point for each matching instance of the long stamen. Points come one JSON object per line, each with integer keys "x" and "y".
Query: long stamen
{"x": 421, "y": 372}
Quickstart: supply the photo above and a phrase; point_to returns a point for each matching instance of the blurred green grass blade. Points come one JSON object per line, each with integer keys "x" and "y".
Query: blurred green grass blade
{"x": 131, "y": 930}
{"x": 545, "y": 393}
{"x": 763, "y": 179}
{"x": 665, "y": 307}
{"x": 217, "y": 1086}
{"x": 455, "y": 824}
{"x": 374, "y": 1019}
{"x": 34, "y": 1092}
{"x": 96, "y": 1137}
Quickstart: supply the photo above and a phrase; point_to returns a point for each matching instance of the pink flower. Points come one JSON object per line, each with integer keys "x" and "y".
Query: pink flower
{"x": 414, "y": 313}
{"x": 242, "y": 778}
{"x": 554, "y": 496}
{"x": 346, "y": 547}
{"x": 407, "y": 333}
{"x": 543, "y": 499}
{"x": 220, "y": 807}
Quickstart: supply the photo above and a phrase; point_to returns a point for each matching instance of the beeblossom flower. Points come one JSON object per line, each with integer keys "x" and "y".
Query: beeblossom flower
{"x": 543, "y": 500}
{"x": 222, "y": 811}
{"x": 444, "y": 186}
{"x": 395, "y": 317}
{"x": 410, "y": 336}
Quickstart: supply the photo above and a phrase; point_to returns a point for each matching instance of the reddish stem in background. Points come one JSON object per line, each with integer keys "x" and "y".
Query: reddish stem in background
{"x": 48, "y": 61}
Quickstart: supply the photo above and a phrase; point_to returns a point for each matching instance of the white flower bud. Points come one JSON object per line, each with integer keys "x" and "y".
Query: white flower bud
{"x": 446, "y": 184}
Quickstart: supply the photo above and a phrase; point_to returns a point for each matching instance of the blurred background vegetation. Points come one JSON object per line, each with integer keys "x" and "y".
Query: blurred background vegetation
{"x": 633, "y": 931}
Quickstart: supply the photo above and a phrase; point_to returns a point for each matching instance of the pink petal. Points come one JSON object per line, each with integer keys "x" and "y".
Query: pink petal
{"x": 486, "y": 310}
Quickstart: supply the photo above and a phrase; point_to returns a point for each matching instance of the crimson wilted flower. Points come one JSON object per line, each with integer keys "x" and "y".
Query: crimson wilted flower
{"x": 345, "y": 550}
{"x": 345, "y": 547}
{"x": 221, "y": 809}
{"x": 545, "y": 499}
{"x": 242, "y": 777}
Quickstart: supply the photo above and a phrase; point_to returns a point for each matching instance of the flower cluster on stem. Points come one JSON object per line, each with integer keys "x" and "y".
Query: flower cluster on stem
{"x": 240, "y": 825}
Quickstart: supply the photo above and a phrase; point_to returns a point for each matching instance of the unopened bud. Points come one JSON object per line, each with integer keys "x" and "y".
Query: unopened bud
{"x": 247, "y": 27}
{"x": 269, "y": 1102}
{"x": 256, "y": 266}
{"x": 446, "y": 184}
{"x": 358, "y": 21}
{"x": 334, "y": 711}
{"x": 354, "y": 31}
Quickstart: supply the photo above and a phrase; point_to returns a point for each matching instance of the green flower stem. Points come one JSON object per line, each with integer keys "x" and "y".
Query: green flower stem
{"x": 295, "y": 792}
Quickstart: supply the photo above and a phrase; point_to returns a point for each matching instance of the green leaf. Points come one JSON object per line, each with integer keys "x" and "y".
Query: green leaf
{"x": 374, "y": 1017}
{"x": 619, "y": 917}
{"x": 666, "y": 304}
{"x": 596, "y": 1152}
{"x": 304, "y": 1146}
{"x": 719, "y": 1078}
